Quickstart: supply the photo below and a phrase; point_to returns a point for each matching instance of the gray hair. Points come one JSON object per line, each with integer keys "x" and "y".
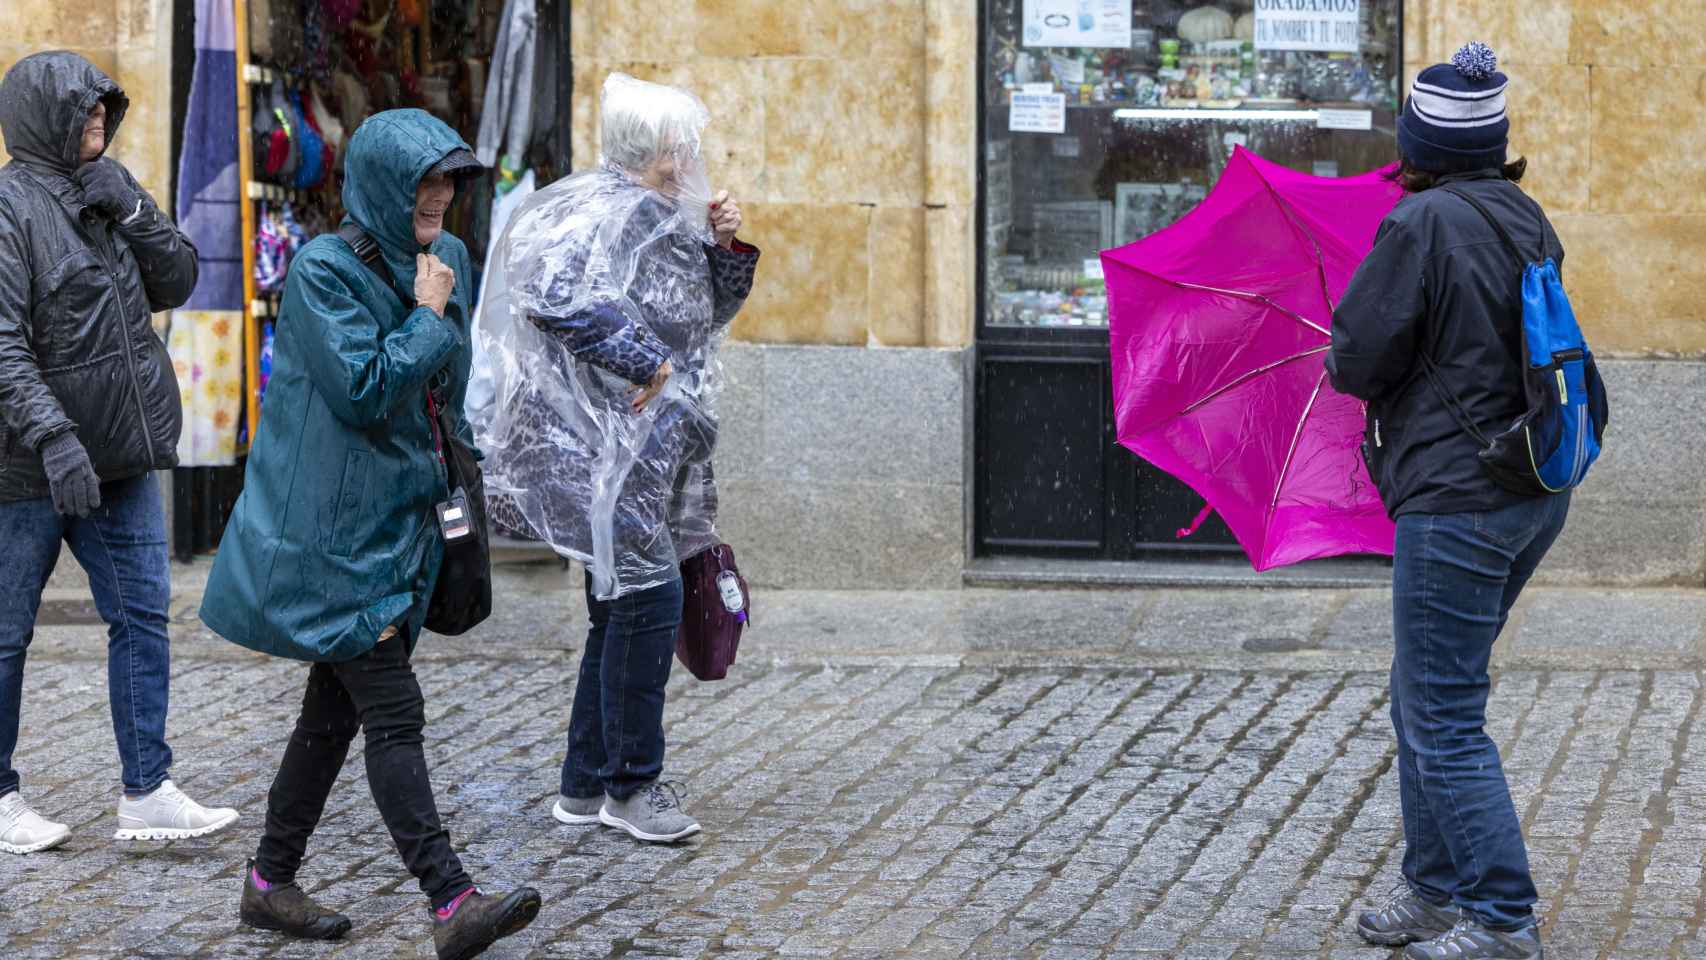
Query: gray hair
{"x": 640, "y": 120}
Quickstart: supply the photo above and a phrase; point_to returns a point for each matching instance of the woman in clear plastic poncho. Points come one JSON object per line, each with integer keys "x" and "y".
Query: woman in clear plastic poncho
{"x": 594, "y": 401}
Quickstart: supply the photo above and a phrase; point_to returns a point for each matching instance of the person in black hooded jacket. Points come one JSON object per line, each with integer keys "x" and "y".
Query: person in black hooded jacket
{"x": 1440, "y": 287}
{"x": 88, "y": 409}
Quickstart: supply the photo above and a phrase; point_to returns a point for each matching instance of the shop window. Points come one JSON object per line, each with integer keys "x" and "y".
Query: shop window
{"x": 1107, "y": 120}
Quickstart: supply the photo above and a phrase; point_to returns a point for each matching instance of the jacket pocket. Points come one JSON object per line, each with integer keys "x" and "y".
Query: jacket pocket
{"x": 71, "y": 298}
{"x": 97, "y": 398}
{"x": 352, "y": 502}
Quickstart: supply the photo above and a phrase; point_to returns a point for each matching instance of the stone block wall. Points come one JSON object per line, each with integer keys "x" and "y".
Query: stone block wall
{"x": 847, "y": 129}
{"x": 1605, "y": 103}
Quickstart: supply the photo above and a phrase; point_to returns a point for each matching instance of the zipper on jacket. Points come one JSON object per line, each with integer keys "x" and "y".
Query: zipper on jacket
{"x": 109, "y": 257}
{"x": 1563, "y": 387}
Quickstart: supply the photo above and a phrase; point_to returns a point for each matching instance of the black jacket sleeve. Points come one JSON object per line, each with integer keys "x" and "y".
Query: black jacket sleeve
{"x": 166, "y": 257}
{"x": 31, "y": 412}
{"x": 1376, "y": 328}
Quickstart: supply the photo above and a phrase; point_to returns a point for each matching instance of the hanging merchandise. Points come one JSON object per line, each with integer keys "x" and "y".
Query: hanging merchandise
{"x": 340, "y": 13}
{"x": 272, "y": 253}
{"x": 287, "y": 119}
{"x": 266, "y": 359}
{"x": 295, "y": 237}
{"x": 310, "y": 148}
{"x": 331, "y": 128}
{"x": 272, "y": 142}
{"x": 206, "y": 336}
{"x": 507, "y": 118}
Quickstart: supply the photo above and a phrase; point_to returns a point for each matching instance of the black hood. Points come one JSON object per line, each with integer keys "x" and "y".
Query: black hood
{"x": 44, "y": 101}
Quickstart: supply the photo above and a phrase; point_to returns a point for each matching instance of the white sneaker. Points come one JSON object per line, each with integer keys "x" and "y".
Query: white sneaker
{"x": 22, "y": 830}
{"x": 166, "y": 814}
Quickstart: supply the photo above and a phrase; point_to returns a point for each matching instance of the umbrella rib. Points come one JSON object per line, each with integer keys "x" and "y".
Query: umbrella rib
{"x": 1320, "y": 258}
{"x": 1292, "y": 450}
{"x": 1260, "y": 298}
{"x": 1256, "y": 373}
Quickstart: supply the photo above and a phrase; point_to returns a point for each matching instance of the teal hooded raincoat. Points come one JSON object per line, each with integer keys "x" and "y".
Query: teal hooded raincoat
{"x": 335, "y": 536}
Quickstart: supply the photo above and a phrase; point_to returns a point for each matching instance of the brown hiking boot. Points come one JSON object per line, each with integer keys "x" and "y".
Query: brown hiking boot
{"x": 287, "y": 909}
{"x": 480, "y": 921}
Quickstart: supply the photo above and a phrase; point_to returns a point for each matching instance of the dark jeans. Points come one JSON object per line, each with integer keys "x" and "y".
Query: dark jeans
{"x": 376, "y": 692}
{"x": 1454, "y": 580}
{"x": 616, "y": 725}
{"x": 122, "y": 546}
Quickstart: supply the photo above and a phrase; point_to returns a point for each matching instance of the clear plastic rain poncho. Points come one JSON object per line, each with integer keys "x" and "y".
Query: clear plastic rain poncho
{"x": 596, "y": 280}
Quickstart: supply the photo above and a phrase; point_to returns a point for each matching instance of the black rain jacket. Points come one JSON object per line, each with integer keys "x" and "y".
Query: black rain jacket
{"x": 1439, "y": 282}
{"x": 78, "y": 349}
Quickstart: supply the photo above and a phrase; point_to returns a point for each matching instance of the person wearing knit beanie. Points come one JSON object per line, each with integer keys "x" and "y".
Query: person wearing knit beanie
{"x": 1454, "y": 119}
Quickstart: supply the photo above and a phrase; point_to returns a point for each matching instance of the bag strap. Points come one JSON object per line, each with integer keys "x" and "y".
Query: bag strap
{"x": 367, "y": 250}
{"x": 1451, "y": 402}
{"x": 1499, "y": 228}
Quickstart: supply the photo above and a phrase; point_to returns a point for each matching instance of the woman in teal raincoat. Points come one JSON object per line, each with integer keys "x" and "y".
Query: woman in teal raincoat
{"x": 333, "y": 549}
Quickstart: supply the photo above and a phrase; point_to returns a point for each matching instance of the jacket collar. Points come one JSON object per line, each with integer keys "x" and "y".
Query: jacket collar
{"x": 68, "y": 192}
{"x": 1489, "y": 173}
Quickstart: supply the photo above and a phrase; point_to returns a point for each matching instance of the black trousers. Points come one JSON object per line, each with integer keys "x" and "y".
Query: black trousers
{"x": 376, "y": 692}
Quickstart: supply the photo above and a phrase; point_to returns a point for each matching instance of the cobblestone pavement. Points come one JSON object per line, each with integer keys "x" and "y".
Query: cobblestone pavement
{"x": 880, "y": 806}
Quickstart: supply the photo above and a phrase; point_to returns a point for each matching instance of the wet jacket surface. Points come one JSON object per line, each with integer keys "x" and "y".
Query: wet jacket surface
{"x": 78, "y": 351}
{"x": 1439, "y": 282}
{"x": 335, "y": 536}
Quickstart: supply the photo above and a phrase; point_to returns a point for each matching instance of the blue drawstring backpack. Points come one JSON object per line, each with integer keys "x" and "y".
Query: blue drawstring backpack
{"x": 1549, "y": 448}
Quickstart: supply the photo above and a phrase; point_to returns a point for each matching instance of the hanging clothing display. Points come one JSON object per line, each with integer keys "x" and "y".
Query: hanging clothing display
{"x": 206, "y": 341}
{"x": 507, "y": 119}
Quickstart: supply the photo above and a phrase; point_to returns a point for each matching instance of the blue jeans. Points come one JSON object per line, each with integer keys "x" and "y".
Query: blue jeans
{"x": 122, "y": 546}
{"x": 1454, "y": 580}
{"x": 616, "y": 724}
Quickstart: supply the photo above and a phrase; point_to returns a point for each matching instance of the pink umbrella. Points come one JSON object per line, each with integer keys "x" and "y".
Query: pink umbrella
{"x": 1219, "y": 330}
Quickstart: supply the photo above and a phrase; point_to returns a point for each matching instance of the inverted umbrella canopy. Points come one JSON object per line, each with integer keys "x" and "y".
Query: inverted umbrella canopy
{"x": 1219, "y": 328}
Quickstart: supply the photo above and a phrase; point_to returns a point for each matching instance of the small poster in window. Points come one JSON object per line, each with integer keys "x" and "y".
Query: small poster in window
{"x": 1037, "y": 113}
{"x": 1140, "y": 209}
{"x": 1320, "y": 25}
{"x": 1078, "y": 23}
{"x": 1070, "y": 231}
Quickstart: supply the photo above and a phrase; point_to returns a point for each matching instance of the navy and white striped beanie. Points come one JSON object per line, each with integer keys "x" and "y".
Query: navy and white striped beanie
{"x": 1454, "y": 119}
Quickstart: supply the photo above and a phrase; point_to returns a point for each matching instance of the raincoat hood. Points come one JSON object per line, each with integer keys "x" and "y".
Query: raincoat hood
{"x": 45, "y": 100}
{"x": 387, "y": 158}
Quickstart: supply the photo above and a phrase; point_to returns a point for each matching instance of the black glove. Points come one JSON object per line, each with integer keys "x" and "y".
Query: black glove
{"x": 107, "y": 190}
{"x": 70, "y": 476}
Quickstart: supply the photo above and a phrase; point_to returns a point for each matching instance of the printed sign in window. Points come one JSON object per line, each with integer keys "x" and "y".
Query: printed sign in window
{"x": 1321, "y": 25}
{"x": 1038, "y": 113}
{"x": 1077, "y": 23}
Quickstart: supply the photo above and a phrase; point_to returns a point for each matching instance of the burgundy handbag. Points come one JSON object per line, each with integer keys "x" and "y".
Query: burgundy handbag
{"x": 716, "y": 608}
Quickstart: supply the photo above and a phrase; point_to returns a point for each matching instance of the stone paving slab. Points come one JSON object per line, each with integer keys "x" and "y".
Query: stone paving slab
{"x": 986, "y": 774}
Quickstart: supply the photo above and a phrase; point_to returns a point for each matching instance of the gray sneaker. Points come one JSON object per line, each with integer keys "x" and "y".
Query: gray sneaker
{"x": 1469, "y": 940}
{"x": 652, "y": 814}
{"x": 577, "y": 811}
{"x": 1406, "y": 918}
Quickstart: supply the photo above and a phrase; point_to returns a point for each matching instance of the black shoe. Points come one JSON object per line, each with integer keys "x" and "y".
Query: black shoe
{"x": 1406, "y": 918}
{"x": 288, "y": 910}
{"x": 480, "y": 921}
{"x": 1471, "y": 941}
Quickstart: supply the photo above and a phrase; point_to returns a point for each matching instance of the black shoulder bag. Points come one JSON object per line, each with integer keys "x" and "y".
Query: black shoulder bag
{"x": 462, "y": 598}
